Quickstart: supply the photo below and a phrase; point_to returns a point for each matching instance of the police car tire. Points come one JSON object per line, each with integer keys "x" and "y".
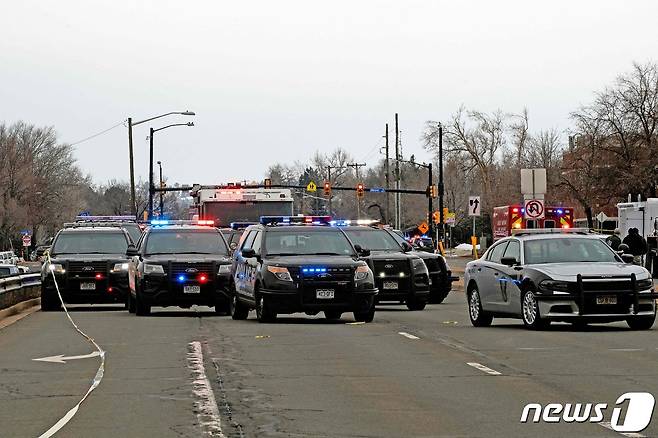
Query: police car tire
{"x": 641, "y": 322}
{"x": 416, "y": 304}
{"x": 538, "y": 323}
{"x": 333, "y": 314}
{"x": 366, "y": 316}
{"x": 49, "y": 302}
{"x": 141, "y": 308}
{"x": 238, "y": 309}
{"x": 483, "y": 319}
{"x": 264, "y": 312}
{"x": 132, "y": 306}
{"x": 439, "y": 296}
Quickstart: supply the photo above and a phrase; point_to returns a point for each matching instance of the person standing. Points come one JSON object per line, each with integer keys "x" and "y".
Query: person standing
{"x": 637, "y": 245}
{"x": 614, "y": 240}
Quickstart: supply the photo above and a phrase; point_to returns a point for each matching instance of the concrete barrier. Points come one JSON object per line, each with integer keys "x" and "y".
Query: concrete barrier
{"x": 19, "y": 288}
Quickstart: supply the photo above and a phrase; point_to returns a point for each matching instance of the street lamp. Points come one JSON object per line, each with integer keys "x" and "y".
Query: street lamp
{"x": 130, "y": 151}
{"x": 151, "y": 186}
{"x": 161, "y": 193}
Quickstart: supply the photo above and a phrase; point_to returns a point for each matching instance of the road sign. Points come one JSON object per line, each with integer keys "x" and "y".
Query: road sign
{"x": 311, "y": 187}
{"x": 449, "y": 218}
{"x": 534, "y": 209}
{"x": 601, "y": 217}
{"x": 474, "y": 206}
{"x": 27, "y": 240}
{"x": 533, "y": 181}
{"x": 423, "y": 227}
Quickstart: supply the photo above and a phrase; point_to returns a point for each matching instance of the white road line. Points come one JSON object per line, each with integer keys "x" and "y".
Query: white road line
{"x": 608, "y": 426}
{"x": 625, "y": 349}
{"x": 207, "y": 410}
{"x": 483, "y": 368}
{"x": 537, "y": 348}
{"x": 407, "y": 335}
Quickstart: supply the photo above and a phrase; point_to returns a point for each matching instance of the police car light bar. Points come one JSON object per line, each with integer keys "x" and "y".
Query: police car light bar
{"x": 240, "y": 225}
{"x": 521, "y": 232}
{"x": 105, "y": 219}
{"x": 348, "y": 222}
{"x": 295, "y": 220}
{"x": 160, "y": 222}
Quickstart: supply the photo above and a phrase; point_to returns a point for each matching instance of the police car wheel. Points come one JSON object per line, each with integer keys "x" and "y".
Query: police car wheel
{"x": 414, "y": 303}
{"x": 264, "y": 312}
{"x": 238, "y": 309}
{"x": 479, "y": 318}
{"x": 223, "y": 307}
{"x": 332, "y": 314}
{"x": 530, "y": 312}
{"x": 132, "y": 306}
{"x": 141, "y": 308}
{"x": 366, "y": 316}
{"x": 438, "y": 297}
{"x": 49, "y": 302}
{"x": 641, "y": 322}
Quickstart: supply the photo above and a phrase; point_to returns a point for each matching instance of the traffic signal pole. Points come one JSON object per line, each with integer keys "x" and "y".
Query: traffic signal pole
{"x": 441, "y": 218}
{"x": 430, "y": 206}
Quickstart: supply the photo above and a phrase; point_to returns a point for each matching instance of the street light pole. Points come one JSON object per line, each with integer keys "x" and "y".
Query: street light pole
{"x": 161, "y": 193}
{"x": 441, "y": 218}
{"x": 133, "y": 199}
{"x": 151, "y": 185}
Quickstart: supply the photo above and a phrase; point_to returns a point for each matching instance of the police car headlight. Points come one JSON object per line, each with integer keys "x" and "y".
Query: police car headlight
{"x": 280, "y": 273}
{"x": 361, "y": 273}
{"x": 224, "y": 269}
{"x": 644, "y": 285}
{"x": 56, "y": 268}
{"x": 118, "y": 267}
{"x": 153, "y": 269}
{"x": 554, "y": 286}
{"x": 418, "y": 265}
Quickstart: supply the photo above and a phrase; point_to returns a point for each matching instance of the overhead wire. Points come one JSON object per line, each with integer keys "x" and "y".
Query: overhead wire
{"x": 99, "y": 133}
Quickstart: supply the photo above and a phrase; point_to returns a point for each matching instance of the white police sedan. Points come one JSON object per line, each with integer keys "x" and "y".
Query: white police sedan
{"x": 558, "y": 275}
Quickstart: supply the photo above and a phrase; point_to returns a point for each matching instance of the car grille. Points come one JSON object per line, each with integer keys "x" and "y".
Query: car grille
{"x": 391, "y": 268}
{"x": 87, "y": 268}
{"x": 607, "y": 286}
{"x": 331, "y": 274}
{"x": 181, "y": 268}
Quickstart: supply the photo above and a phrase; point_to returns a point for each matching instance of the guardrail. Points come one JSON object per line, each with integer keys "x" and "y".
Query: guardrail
{"x": 18, "y": 288}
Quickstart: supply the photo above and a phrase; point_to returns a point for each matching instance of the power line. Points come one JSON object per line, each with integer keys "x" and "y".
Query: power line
{"x": 98, "y": 133}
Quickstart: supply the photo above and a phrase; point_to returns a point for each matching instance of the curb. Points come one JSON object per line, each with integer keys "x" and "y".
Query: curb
{"x": 18, "y": 311}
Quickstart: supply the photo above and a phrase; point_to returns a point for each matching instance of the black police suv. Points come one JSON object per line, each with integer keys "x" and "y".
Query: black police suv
{"x": 441, "y": 277}
{"x": 179, "y": 263}
{"x": 300, "y": 264}
{"x": 90, "y": 265}
{"x": 128, "y": 223}
{"x": 400, "y": 276}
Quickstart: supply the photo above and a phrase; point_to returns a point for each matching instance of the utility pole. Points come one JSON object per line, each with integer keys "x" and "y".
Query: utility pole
{"x": 388, "y": 181}
{"x": 430, "y": 203}
{"x": 397, "y": 173}
{"x": 161, "y": 193}
{"x": 441, "y": 218}
{"x": 151, "y": 186}
{"x": 358, "y": 200}
{"x": 330, "y": 195}
{"x": 133, "y": 202}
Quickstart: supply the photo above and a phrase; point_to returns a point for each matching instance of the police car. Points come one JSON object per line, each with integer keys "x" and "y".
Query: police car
{"x": 290, "y": 264}
{"x": 546, "y": 275}
{"x": 179, "y": 263}
{"x": 128, "y": 223}
{"x": 90, "y": 264}
{"x": 234, "y": 232}
{"x": 400, "y": 276}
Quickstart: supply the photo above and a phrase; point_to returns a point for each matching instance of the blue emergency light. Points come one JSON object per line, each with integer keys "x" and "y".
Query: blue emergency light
{"x": 181, "y": 278}
{"x": 295, "y": 220}
{"x": 159, "y": 222}
{"x": 315, "y": 270}
{"x": 241, "y": 225}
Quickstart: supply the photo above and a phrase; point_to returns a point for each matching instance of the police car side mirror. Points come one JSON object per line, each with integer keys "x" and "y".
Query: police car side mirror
{"x": 248, "y": 253}
{"x": 362, "y": 252}
{"x": 406, "y": 246}
{"x": 509, "y": 261}
{"x": 131, "y": 251}
{"x": 627, "y": 258}
{"x": 233, "y": 246}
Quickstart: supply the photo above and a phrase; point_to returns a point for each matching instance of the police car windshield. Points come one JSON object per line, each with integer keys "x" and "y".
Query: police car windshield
{"x": 307, "y": 242}
{"x": 90, "y": 243}
{"x": 375, "y": 240}
{"x": 567, "y": 250}
{"x": 185, "y": 242}
{"x": 134, "y": 231}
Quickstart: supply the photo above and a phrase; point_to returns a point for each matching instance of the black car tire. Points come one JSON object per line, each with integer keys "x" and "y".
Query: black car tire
{"x": 367, "y": 315}
{"x": 223, "y": 307}
{"x": 238, "y": 309}
{"x": 479, "y": 318}
{"x": 414, "y": 303}
{"x": 49, "y": 302}
{"x": 438, "y": 296}
{"x": 264, "y": 312}
{"x": 333, "y": 314}
{"x": 530, "y": 312}
{"x": 132, "y": 306}
{"x": 641, "y": 322}
{"x": 141, "y": 308}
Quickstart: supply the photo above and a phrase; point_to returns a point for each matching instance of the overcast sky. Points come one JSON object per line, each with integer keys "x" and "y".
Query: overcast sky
{"x": 273, "y": 81}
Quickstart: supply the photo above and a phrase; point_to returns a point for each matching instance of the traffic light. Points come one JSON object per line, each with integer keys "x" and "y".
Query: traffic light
{"x": 327, "y": 188}
{"x": 432, "y": 191}
{"x": 360, "y": 190}
{"x": 445, "y": 212}
{"x": 435, "y": 217}
{"x": 268, "y": 183}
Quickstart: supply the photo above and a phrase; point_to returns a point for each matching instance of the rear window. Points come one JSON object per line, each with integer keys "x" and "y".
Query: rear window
{"x": 90, "y": 242}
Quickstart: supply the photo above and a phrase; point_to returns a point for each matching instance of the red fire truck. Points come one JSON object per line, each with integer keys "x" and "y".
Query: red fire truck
{"x": 510, "y": 217}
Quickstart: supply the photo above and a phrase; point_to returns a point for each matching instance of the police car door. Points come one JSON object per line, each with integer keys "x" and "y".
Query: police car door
{"x": 244, "y": 269}
{"x": 487, "y": 277}
{"x": 509, "y": 279}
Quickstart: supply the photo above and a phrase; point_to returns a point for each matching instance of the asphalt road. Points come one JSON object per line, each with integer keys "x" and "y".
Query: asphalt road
{"x": 407, "y": 374}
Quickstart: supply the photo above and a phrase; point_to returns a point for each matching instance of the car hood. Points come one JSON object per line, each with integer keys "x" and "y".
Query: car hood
{"x": 88, "y": 257}
{"x": 301, "y": 260}
{"x": 392, "y": 255}
{"x": 187, "y": 258}
{"x": 569, "y": 271}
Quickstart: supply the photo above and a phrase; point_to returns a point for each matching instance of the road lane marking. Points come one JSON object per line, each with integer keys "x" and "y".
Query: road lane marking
{"x": 483, "y": 368}
{"x": 207, "y": 411}
{"x": 608, "y": 426}
{"x": 625, "y": 349}
{"x": 407, "y": 335}
{"x": 60, "y": 358}
{"x": 537, "y": 348}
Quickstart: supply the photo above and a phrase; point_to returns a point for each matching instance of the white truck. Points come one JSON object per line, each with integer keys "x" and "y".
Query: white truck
{"x": 642, "y": 215}
{"x": 233, "y": 203}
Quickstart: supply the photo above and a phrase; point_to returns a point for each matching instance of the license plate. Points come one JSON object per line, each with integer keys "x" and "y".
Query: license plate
{"x": 324, "y": 294}
{"x": 191, "y": 289}
{"x": 390, "y": 285}
{"x": 87, "y": 286}
{"x": 606, "y": 299}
